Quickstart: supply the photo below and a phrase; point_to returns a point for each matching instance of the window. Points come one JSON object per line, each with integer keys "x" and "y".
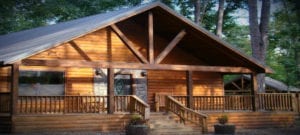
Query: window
{"x": 41, "y": 83}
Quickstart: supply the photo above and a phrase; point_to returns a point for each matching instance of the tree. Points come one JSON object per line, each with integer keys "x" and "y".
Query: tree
{"x": 25, "y": 14}
{"x": 220, "y": 18}
{"x": 285, "y": 44}
{"x": 259, "y": 35}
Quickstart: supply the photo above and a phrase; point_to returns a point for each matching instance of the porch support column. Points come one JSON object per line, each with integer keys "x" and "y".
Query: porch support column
{"x": 111, "y": 93}
{"x": 254, "y": 91}
{"x": 14, "y": 85}
{"x": 189, "y": 89}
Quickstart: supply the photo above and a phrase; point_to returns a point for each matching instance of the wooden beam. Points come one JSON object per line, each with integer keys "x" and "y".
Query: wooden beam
{"x": 170, "y": 46}
{"x": 110, "y": 90}
{"x": 151, "y": 38}
{"x": 14, "y": 88}
{"x": 98, "y": 64}
{"x": 128, "y": 43}
{"x": 254, "y": 90}
{"x": 234, "y": 84}
{"x": 80, "y": 51}
{"x": 189, "y": 89}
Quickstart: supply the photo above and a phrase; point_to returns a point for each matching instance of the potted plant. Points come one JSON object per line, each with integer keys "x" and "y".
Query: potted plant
{"x": 222, "y": 127}
{"x": 137, "y": 126}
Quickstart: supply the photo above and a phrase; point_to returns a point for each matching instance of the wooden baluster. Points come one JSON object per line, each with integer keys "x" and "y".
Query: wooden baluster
{"x": 41, "y": 104}
{"x": 26, "y": 104}
{"x": 21, "y": 104}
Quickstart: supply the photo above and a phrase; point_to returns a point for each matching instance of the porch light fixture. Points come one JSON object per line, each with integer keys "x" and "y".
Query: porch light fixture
{"x": 143, "y": 73}
{"x": 97, "y": 72}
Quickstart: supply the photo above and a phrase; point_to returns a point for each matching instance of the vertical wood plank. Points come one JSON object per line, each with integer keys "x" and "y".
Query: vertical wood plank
{"x": 151, "y": 39}
{"x": 110, "y": 92}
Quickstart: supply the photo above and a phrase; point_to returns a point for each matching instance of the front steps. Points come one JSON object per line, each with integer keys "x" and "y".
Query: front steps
{"x": 168, "y": 124}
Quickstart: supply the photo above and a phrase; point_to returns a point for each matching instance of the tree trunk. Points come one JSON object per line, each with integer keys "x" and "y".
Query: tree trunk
{"x": 220, "y": 18}
{"x": 197, "y": 11}
{"x": 259, "y": 35}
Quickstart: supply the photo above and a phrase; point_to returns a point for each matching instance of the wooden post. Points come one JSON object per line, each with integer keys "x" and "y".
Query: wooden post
{"x": 254, "y": 90}
{"x": 111, "y": 93}
{"x": 294, "y": 103}
{"x": 14, "y": 88}
{"x": 151, "y": 41}
{"x": 189, "y": 89}
{"x": 14, "y": 93}
{"x": 204, "y": 125}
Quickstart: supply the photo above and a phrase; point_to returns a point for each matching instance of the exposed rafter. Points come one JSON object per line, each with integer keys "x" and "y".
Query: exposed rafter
{"x": 128, "y": 43}
{"x": 170, "y": 46}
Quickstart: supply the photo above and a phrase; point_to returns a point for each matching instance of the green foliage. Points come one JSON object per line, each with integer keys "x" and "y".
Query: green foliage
{"x": 25, "y": 14}
{"x": 223, "y": 119}
{"x": 137, "y": 119}
{"x": 284, "y": 46}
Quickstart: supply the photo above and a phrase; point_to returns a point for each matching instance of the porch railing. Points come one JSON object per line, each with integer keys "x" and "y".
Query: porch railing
{"x": 80, "y": 104}
{"x": 186, "y": 114}
{"x": 139, "y": 106}
{"x": 62, "y": 104}
{"x": 275, "y": 101}
{"x": 214, "y": 103}
{"x": 5, "y": 101}
{"x": 266, "y": 101}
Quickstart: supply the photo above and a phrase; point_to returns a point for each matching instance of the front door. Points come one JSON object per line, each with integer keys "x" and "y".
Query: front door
{"x": 123, "y": 84}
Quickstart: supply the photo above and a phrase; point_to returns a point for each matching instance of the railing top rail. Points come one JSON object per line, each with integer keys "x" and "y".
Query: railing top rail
{"x": 274, "y": 93}
{"x": 139, "y": 100}
{"x": 188, "y": 109}
{"x": 64, "y": 96}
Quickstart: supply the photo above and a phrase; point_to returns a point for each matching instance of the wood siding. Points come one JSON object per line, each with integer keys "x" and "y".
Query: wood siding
{"x": 252, "y": 120}
{"x": 5, "y": 73}
{"x": 174, "y": 83}
{"x": 101, "y": 45}
{"x": 79, "y": 81}
{"x": 57, "y": 123}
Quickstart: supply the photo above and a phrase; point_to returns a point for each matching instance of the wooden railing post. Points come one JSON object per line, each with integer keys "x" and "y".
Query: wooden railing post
{"x": 294, "y": 103}
{"x": 204, "y": 125}
{"x": 110, "y": 92}
{"x": 14, "y": 88}
{"x": 254, "y": 89}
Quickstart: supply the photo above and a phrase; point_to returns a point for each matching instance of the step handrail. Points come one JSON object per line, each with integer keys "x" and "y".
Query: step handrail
{"x": 186, "y": 114}
{"x": 139, "y": 106}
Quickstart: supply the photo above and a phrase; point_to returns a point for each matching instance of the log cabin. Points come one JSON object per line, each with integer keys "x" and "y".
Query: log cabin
{"x": 91, "y": 73}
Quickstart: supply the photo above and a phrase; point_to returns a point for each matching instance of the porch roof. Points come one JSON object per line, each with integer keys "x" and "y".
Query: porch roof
{"x": 199, "y": 42}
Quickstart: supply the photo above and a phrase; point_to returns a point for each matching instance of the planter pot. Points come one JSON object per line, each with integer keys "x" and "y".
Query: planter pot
{"x": 224, "y": 129}
{"x": 137, "y": 130}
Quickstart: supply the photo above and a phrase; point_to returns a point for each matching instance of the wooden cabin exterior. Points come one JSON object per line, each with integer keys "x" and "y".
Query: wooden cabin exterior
{"x": 70, "y": 75}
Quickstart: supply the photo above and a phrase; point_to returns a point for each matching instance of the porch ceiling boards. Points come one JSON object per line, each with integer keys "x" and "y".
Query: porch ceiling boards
{"x": 157, "y": 19}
